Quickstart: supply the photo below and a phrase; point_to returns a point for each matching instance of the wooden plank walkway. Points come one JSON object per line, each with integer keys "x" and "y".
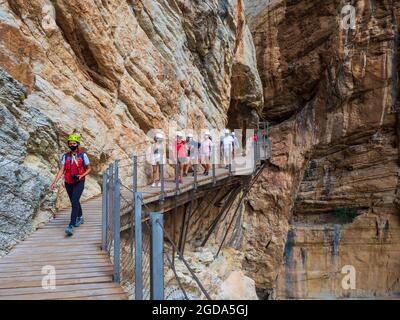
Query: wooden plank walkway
{"x": 83, "y": 271}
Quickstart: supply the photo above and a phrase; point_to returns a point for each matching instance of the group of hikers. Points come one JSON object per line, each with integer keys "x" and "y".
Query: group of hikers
{"x": 75, "y": 164}
{"x": 188, "y": 152}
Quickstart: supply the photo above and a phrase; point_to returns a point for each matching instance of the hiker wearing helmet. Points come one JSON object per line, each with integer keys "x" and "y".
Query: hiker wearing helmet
{"x": 180, "y": 150}
{"x": 227, "y": 147}
{"x": 236, "y": 145}
{"x": 192, "y": 153}
{"x": 75, "y": 166}
{"x": 206, "y": 148}
{"x": 156, "y": 155}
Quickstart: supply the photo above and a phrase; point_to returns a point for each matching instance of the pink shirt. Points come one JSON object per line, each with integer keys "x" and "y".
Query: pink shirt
{"x": 206, "y": 148}
{"x": 181, "y": 148}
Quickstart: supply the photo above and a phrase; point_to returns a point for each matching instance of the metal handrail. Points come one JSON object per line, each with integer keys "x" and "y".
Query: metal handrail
{"x": 112, "y": 212}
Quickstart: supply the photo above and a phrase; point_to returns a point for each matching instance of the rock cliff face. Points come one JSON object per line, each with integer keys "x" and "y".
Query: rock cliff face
{"x": 330, "y": 196}
{"x": 327, "y": 206}
{"x": 112, "y": 70}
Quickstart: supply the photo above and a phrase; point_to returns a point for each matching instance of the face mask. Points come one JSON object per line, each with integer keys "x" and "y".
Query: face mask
{"x": 73, "y": 148}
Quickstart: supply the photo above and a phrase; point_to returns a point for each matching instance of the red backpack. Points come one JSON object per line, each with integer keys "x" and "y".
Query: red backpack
{"x": 72, "y": 168}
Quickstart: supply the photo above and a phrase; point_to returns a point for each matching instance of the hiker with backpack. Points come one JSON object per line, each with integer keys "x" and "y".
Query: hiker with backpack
{"x": 75, "y": 166}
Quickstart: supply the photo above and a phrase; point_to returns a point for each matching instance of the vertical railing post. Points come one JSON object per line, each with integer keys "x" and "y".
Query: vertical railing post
{"x": 230, "y": 160}
{"x": 138, "y": 247}
{"x": 214, "y": 180}
{"x": 157, "y": 256}
{"x": 104, "y": 211}
{"x": 254, "y": 154}
{"x": 161, "y": 173}
{"x": 195, "y": 176}
{"x": 177, "y": 176}
{"x": 265, "y": 135}
{"x": 117, "y": 228}
{"x": 110, "y": 206}
{"x": 135, "y": 173}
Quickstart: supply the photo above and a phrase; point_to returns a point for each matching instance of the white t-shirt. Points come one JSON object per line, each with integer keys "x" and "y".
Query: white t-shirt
{"x": 227, "y": 142}
{"x": 206, "y": 148}
{"x": 156, "y": 151}
{"x": 236, "y": 142}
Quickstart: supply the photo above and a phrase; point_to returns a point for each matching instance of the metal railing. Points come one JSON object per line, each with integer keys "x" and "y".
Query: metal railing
{"x": 133, "y": 234}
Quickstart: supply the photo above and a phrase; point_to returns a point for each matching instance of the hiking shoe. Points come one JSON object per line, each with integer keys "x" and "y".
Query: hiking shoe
{"x": 206, "y": 173}
{"x": 79, "y": 221}
{"x": 185, "y": 174}
{"x": 153, "y": 185}
{"x": 180, "y": 181}
{"x": 69, "y": 230}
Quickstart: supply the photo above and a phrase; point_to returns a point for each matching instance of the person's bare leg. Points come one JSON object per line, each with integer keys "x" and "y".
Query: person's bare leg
{"x": 180, "y": 171}
{"x": 188, "y": 166}
{"x": 157, "y": 174}
{"x": 153, "y": 175}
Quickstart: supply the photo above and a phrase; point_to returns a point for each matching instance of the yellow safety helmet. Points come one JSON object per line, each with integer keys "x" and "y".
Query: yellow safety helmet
{"x": 74, "y": 137}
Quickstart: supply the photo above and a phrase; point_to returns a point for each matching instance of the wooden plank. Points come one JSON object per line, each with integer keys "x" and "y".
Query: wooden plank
{"x": 44, "y": 253}
{"x": 39, "y": 263}
{"x": 60, "y": 289}
{"x": 116, "y": 296}
{"x": 64, "y": 295}
{"x": 66, "y": 249}
{"x": 51, "y": 258}
{"x": 15, "y": 271}
{"x": 59, "y": 265}
{"x": 72, "y": 242}
{"x": 104, "y": 268}
{"x": 68, "y": 280}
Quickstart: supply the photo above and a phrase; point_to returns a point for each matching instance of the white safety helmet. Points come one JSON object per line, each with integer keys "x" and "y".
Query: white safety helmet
{"x": 233, "y": 134}
{"x": 207, "y": 134}
{"x": 159, "y": 136}
{"x": 179, "y": 134}
{"x": 227, "y": 131}
{"x": 189, "y": 135}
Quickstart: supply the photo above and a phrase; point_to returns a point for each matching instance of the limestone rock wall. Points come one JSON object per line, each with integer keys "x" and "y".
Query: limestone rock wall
{"x": 112, "y": 70}
{"x": 330, "y": 196}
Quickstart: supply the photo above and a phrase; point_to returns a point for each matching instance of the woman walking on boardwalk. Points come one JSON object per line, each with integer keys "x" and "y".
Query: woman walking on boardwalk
{"x": 157, "y": 155}
{"x": 75, "y": 166}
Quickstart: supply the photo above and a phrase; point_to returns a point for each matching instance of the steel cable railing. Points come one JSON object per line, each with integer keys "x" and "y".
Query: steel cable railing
{"x": 128, "y": 228}
{"x": 181, "y": 257}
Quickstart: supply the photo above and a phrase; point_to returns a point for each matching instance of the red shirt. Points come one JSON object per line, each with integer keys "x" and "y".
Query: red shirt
{"x": 180, "y": 148}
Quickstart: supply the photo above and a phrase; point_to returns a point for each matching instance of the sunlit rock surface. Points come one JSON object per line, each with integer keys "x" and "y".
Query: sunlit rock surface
{"x": 112, "y": 70}
{"x": 330, "y": 196}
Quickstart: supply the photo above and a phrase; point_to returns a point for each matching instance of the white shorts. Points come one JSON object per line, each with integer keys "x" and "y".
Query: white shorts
{"x": 155, "y": 160}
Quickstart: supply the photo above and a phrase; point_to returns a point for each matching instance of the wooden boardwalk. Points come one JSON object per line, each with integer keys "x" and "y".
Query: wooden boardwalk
{"x": 82, "y": 270}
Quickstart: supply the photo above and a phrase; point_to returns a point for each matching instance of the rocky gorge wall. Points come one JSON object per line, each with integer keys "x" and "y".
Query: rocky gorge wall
{"x": 115, "y": 69}
{"x": 112, "y": 70}
{"x": 329, "y": 198}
